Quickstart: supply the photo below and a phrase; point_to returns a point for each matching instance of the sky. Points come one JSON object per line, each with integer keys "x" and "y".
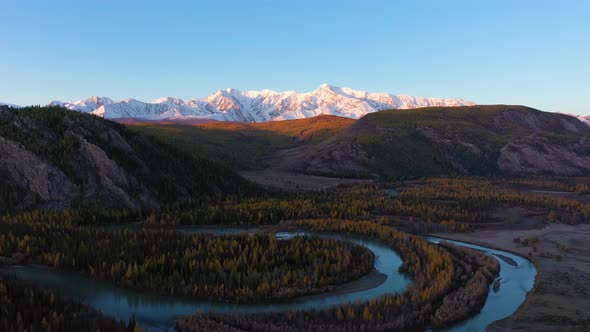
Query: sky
{"x": 534, "y": 53}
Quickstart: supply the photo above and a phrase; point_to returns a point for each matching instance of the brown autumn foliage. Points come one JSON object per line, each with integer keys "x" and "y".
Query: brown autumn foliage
{"x": 443, "y": 282}
{"x": 232, "y": 268}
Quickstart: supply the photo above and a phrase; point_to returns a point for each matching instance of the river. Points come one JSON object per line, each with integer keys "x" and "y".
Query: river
{"x": 159, "y": 312}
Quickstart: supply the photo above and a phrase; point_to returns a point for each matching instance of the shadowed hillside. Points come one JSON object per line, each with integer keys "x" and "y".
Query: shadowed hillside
{"x": 55, "y": 158}
{"x": 475, "y": 140}
{"x": 472, "y": 140}
{"x": 245, "y": 145}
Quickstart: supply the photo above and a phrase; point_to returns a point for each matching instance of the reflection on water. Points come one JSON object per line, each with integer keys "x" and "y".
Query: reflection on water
{"x": 159, "y": 312}
{"x": 517, "y": 279}
{"x": 392, "y": 192}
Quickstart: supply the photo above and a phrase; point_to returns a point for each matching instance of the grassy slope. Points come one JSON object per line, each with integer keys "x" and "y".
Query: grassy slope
{"x": 393, "y": 139}
{"x": 396, "y": 142}
{"x": 240, "y": 145}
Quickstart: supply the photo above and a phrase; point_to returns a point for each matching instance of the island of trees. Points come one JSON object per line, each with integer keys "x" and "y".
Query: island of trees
{"x": 167, "y": 188}
{"x": 450, "y": 283}
{"x": 231, "y": 268}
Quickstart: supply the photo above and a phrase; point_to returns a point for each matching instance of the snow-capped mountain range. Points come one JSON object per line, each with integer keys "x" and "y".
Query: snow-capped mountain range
{"x": 257, "y": 106}
{"x": 9, "y": 105}
{"x": 585, "y": 119}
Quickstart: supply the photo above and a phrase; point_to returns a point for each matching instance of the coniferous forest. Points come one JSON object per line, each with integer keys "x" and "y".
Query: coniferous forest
{"x": 294, "y": 166}
{"x": 109, "y": 203}
{"x": 235, "y": 268}
{"x": 29, "y": 308}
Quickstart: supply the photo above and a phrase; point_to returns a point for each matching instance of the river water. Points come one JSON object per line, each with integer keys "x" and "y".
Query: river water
{"x": 517, "y": 279}
{"x": 159, "y": 312}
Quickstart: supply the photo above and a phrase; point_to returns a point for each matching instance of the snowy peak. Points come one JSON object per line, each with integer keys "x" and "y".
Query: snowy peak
{"x": 168, "y": 100}
{"x": 257, "y": 106}
{"x": 583, "y": 118}
{"x": 326, "y": 87}
{"x": 100, "y": 100}
{"x": 9, "y": 105}
{"x": 86, "y": 105}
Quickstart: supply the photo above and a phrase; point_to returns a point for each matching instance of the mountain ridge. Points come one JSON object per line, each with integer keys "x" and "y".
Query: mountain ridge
{"x": 481, "y": 140}
{"x": 583, "y": 118}
{"x": 9, "y": 105}
{"x": 258, "y": 106}
{"x": 54, "y": 158}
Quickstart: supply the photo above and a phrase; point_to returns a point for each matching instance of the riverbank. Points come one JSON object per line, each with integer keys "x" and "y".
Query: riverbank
{"x": 560, "y": 299}
{"x": 461, "y": 288}
{"x": 159, "y": 313}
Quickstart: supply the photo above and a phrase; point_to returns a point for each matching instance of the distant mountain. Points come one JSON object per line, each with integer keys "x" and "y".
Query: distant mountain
{"x": 86, "y": 106}
{"x": 585, "y": 119}
{"x": 9, "y": 105}
{"x": 54, "y": 158}
{"x": 258, "y": 106}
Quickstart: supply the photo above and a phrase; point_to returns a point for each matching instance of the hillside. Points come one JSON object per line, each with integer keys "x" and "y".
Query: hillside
{"x": 471, "y": 140}
{"x": 54, "y": 158}
{"x": 244, "y": 145}
{"x": 475, "y": 140}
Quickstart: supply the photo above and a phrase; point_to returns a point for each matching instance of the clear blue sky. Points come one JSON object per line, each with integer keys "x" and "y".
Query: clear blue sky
{"x": 528, "y": 52}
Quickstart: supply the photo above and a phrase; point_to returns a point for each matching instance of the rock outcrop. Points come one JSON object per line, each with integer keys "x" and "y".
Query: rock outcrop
{"x": 52, "y": 158}
{"x": 441, "y": 141}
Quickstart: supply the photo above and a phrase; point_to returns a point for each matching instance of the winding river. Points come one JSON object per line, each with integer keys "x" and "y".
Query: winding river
{"x": 159, "y": 312}
{"x": 517, "y": 279}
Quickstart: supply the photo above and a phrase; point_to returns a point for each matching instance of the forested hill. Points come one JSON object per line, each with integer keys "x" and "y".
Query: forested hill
{"x": 54, "y": 158}
{"x": 441, "y": 141}
{"x": 476, "y": 140}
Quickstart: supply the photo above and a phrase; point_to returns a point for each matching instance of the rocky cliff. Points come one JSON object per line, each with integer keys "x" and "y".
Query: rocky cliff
{"x": 56, "y": 158}
{"x": 474, "y": 140}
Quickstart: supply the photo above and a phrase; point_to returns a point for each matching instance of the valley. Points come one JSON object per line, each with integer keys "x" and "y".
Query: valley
{"x": 559, "y": 298}
{"x": 294, "y": 166}
{"x": 474, "y": 140}
{"x": 122, "y": 207}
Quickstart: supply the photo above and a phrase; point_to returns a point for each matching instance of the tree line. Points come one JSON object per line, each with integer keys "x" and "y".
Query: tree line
{"x": 447, "y": 287}
{"x": 234, "y": 268}
{"x": 25, "y": 307}
{"x": 457, "y": 204}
